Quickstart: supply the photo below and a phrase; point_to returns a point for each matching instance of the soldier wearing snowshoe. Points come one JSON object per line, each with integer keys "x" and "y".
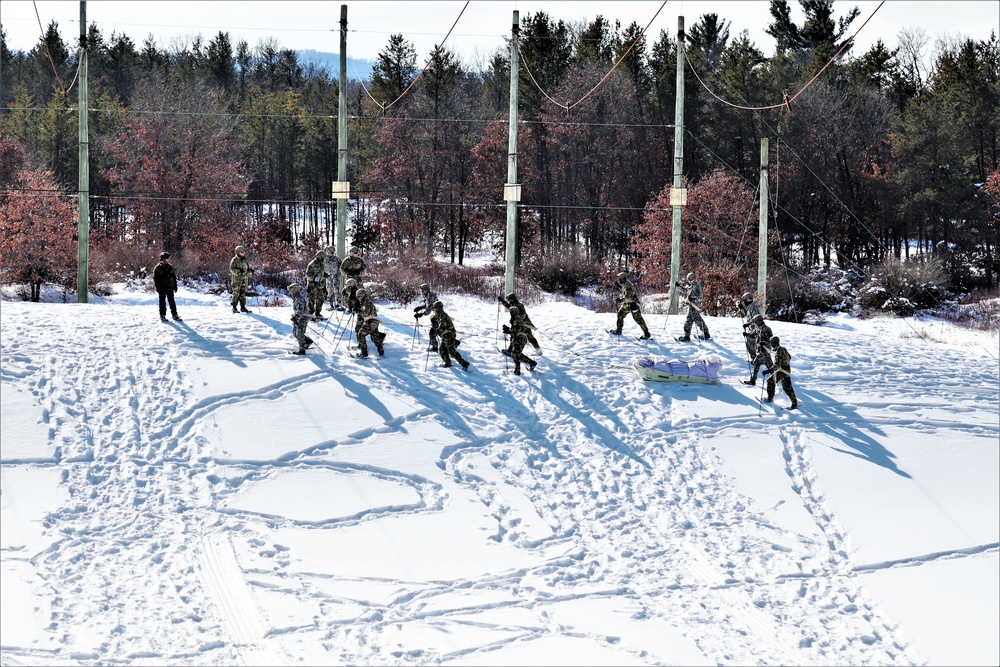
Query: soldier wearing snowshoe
{"x": 693, "y": 296}
{"x": 300, "y": 318}
{"x": 762, "y": 349}
{"x": 165, "y": 281}
{"x": 748, "y": 311}
{"x": 441, "y": 321}
{"x": 782, "y": 369}
{"x": 331, "y": 269}
{"x": 518, "y": 332}
{"x": 353, "y": 266}
{"x": 239, "y": 272}
{"x": 426, "y": 308}
{"x": 316, "y": 285}
{"x": 628, "y": 301}
{"x": 349, "y": 295}
{"x": 512, "y": 300}
{"x": 367, "y": 324}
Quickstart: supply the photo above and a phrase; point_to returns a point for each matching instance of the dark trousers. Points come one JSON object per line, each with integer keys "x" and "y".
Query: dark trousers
{"x": 164, "y": 298}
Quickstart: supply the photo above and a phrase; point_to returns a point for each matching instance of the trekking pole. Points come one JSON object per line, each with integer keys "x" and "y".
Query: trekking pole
{"x": 427, "y": 358}
{"x": 340, "y": 336}
{"x": 413, "y": 342}
{"x": 760, "y": 401}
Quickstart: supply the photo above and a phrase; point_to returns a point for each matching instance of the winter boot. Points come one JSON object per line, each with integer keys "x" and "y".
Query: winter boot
{"x": 234, "y": 309}
{"x": 301, "y": 350}
{"x": 517, "y": 371}
{"x": 243, "y": 309}
{"x": 446, "y": 364}
{"x": 465, "y": 365}
{"x": 707, "y": 337}
{"x": 432, "y": 348}
{"x": 177, "y": 318}
{"x": 615, "y": 332}
{"x": 751, "y": 382}
{"x": 531, "y": 365}
{"x": 794, "y": 405}
{"x": 309, "y": 342}
{"x": 685, "y": 338}
{"x": 645, "y": 336}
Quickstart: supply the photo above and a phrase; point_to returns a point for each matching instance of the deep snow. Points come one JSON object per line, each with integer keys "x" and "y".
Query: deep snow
{"x": 189, "y": 493}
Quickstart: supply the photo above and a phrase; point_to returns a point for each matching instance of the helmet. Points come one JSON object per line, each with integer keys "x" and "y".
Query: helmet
{"x": 294, "y": 289}
{"x": 438, "y": 305}
{"x": 514, "y": 310}
{"x": 240, "y": 250}
{"x": 355, "y": 250}
{"x": 351, "y": 282}
{"x": 690, "y": 276}
{"x": 747, "y": 297}
{"x": 331, "y": 251}
{"x": 164, "y": 255}
{"x": 622, "y": 275}
{"x": 361, "y": 293}
{"x": 512, "y": 297}
{"x": 775, "y": 340}
{"x": 424, "y": 287}
{"x": 320, "y": 254}
{"x": 758, "y": 318}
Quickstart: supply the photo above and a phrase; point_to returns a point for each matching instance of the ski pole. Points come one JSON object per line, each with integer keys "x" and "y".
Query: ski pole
{"x": 760, "y": 401}
{"x": 416, "y": 323}
{"x": 427, "y": 358}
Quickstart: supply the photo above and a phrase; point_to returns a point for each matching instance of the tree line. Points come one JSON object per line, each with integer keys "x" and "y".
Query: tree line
{"x": 887, "y": 154}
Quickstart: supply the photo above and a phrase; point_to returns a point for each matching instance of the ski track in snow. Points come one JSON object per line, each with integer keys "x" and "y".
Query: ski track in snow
{"x": 623, "y": 484}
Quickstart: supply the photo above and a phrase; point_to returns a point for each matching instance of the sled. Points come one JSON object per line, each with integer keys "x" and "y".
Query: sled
{"x": 704, "y": 371}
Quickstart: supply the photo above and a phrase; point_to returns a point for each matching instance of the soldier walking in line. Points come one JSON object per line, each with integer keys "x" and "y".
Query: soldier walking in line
{"x": 349, "y": 295}
{"x": 762, "y": 348}
{"x": 353, "y": 266}
{"x": 426, "y": 308}
{"x": 165, "y": 281}
{"x": 300, "y": 318}
{"x": 629, "y": 303}
{"x": 693, "y": 296}
{"x": 518, "y": 332}
{"x": 367, "y": 324}
{"x": 748, "y": 311}
{"x": 512, "y": 300}
{"x": 316, "y": 285}
{"x": 783, "y": 369}
{"x": 445, "y": 327}
{"x": 331, "y": 268}
{"x": 239, "y": 271}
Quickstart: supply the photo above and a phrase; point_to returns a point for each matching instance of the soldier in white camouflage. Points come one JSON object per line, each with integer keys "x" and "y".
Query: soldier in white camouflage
{"x": 518, "y": 332}
{"x": 426, "y": 308}
{"x": 367, "y": 324}
{"x": 331, "y": 268}
{"x": 316, "y": 285}
{"x": 782, "y": 369}
{"x": 300, "y": 318}
{"x": 441, "y": 321}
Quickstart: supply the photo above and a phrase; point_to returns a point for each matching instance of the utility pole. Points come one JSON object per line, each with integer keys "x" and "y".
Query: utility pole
{"x": 83, "y": 171}
{"x": 678, "y": 194}
{"x": 342, "y": 188}
{"x": 762, "y": 228}
{"x": 511, "y": 190}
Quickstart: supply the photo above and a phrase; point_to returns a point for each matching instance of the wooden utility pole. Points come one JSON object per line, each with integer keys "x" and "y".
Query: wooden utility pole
{"x": 83, "y": 171}
{"x": 762, "y": 229}
{"x": 678, "y": 194}
{"x": 342, "y": 188}
{"x": 511, "y": 190}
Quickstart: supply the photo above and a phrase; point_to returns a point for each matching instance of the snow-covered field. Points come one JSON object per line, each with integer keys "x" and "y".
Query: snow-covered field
{"x": 190, "y": 493}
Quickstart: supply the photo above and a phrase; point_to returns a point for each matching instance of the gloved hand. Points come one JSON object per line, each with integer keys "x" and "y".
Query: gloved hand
{"x": 253, "y": 270}
{"x": 417, "y": 315}
{"x": 506, "y": 329}
{"x": 765, "y": 373}
{"x": 500, "y": 299}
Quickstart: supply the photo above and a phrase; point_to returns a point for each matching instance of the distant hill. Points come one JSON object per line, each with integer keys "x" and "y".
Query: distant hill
{"x": 356, "y": 68}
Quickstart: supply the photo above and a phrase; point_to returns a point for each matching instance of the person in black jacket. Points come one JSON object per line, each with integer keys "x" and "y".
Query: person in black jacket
{"x": 165, "y": 280}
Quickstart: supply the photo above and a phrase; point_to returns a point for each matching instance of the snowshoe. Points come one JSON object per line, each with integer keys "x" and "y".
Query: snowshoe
{"x": 750, "y": 383}
{"x": 684, "y": 339}
{"x": 615, "y": 332}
